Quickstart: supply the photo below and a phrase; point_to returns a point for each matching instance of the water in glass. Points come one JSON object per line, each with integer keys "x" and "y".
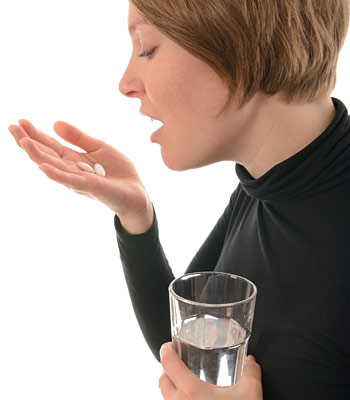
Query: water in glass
{"x": 213, "y": 348}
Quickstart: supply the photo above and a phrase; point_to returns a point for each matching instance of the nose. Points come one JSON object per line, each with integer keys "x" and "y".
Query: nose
{"x": 131, "y": 84}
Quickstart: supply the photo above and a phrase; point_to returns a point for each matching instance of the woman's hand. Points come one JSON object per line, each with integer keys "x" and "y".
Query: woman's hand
{"x": 121, "y": 189}
{"x": 179, "y": 383}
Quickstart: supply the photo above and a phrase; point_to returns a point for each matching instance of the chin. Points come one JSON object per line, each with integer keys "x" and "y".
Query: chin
{"x": 176, "y": 163}
{"x": 181, "y": 163}
{"x": 176, "y": 166}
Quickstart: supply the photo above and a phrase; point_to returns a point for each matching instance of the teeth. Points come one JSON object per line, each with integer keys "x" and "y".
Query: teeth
{"x": 156, "y": 120}
{"x": 153, "y": 119}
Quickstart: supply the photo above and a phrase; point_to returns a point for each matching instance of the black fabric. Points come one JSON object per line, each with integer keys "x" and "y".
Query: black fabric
{"x": 289, "y": 233}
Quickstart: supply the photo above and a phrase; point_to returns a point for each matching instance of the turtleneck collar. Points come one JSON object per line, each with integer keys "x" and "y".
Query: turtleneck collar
{"x": 321, "y": 165}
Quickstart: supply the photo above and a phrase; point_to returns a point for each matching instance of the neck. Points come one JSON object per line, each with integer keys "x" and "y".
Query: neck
{"x": 275, "y": 130}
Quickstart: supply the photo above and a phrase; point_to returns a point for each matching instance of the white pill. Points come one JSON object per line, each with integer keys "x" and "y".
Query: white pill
{"x": 85, "y": 167}
{"x": 100, "y": 171}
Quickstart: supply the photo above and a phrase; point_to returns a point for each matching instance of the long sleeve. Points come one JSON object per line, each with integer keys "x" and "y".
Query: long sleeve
{"x": 148, "y": 275}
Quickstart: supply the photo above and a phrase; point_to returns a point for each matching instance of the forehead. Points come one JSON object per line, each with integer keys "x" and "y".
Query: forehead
{"x": 137, "y": 23}
{"x": 135, "y": 20}
{"x": 133, "y": 26}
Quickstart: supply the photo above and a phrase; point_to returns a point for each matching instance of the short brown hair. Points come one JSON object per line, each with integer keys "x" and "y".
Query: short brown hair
{"x": 287, "y": 46}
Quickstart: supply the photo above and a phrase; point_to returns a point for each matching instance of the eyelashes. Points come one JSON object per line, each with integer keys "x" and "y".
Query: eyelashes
{"x": 147, "y": 54}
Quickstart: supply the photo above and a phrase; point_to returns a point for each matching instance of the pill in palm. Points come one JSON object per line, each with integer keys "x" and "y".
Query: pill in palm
{"x": 85, "y": 167}
{"x": 100, "y": 171}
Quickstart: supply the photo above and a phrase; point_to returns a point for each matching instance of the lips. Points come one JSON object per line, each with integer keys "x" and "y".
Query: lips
{"x": 154, "y": 118}
{"x": 156, "y": 135}
{"x": 151, "y": 116}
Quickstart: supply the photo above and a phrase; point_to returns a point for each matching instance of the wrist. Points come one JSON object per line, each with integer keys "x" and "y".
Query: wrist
{"x": 139, "y": 224}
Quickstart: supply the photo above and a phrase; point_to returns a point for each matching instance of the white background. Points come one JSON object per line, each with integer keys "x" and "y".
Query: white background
{"x": 67, "y": 327}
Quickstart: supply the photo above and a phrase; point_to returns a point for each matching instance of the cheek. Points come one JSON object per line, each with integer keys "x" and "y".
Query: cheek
{"x": 169, "y": 93}
{"x": 175, "y": 86}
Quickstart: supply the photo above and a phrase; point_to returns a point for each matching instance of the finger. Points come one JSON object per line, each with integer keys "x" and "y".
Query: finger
{"x": 176, "y": 369}
{"x": 81, "y": 183}
{"x": 41, "y": 137}
{"x": 42, "y": 147}
{"x": 166, "y": 386}
{"x": 18, "y": 133}
{"x": 35, "y": 153}
{"x": 76, "y": 137}
{"x": 251, "y": 368}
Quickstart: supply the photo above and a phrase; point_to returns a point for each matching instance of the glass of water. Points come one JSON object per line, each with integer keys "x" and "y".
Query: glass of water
{"x": 211, "y": 322}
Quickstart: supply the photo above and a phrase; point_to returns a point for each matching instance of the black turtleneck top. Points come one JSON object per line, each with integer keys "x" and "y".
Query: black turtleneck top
{"x": 289, "y": 233}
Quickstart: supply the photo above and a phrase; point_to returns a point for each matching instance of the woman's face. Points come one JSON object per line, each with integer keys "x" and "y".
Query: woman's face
{"x": 184, "y": 93}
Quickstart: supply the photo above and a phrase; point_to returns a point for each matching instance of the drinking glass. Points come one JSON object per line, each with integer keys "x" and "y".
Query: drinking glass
{"x": 211, "y": 322}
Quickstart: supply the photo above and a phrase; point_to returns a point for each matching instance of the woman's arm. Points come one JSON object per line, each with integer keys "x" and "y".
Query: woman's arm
{"x": 148, "y": 274}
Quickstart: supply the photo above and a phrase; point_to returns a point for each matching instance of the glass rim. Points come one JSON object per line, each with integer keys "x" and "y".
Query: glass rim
{"x": 196, "y": 303}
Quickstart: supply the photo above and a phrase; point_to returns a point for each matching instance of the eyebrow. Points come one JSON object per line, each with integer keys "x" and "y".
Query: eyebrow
{"x": 132, "y": 28}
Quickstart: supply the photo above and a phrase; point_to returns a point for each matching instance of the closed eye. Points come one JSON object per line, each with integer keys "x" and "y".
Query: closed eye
{"x": 147, "y": 54}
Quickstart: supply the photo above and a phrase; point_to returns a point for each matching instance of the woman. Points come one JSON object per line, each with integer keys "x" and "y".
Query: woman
{"x": 249, "y": 82}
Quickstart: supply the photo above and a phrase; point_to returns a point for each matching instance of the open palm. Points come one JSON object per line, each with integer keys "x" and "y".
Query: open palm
{"x": 121, "y": 189}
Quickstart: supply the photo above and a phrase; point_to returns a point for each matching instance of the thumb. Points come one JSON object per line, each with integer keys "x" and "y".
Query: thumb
{"x": 76, "y": 137}
{"x": 176, "y": 369}
{"x": 251, "y": 368}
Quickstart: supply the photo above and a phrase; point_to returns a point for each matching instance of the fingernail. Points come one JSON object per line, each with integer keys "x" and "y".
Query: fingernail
{"x": 161, "y": 351}
{"x": 164, "y": 348}
{"x": 251, "y": 358}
